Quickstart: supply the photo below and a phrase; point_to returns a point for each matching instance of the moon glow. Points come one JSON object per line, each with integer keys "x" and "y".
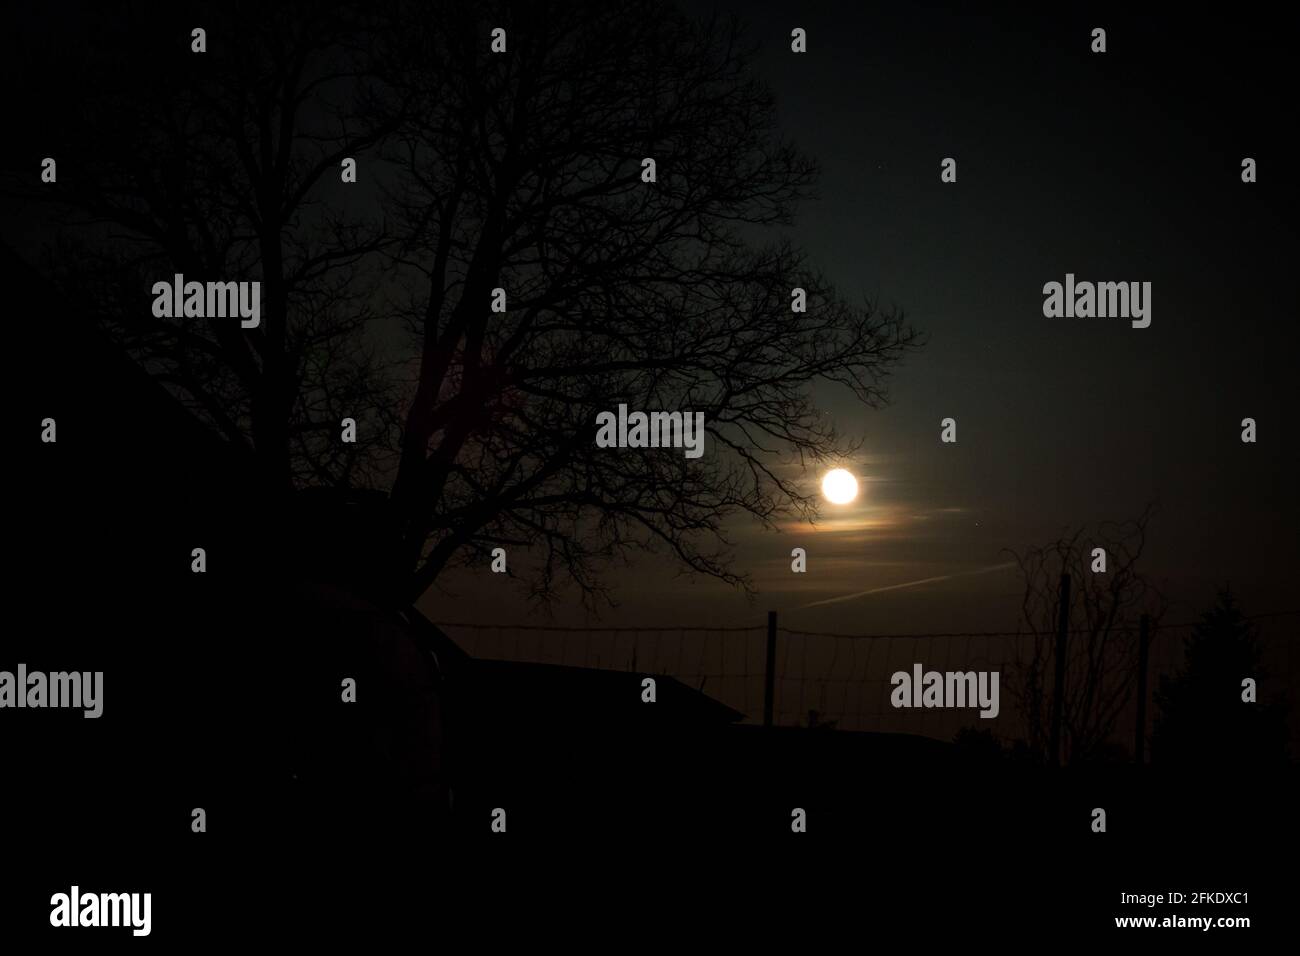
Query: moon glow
{"x": 839, "y": 487}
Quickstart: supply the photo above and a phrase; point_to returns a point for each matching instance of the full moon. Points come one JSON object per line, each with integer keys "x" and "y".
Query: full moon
{"x": 839, "y": 487}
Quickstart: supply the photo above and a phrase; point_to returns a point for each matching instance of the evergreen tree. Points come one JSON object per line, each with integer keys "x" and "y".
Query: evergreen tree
{"x": 1201, "y": 715}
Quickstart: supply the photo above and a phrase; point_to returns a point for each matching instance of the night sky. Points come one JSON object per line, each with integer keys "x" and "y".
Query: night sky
{"x": 1122, "y": 166}
{"x": 1116, "y": 166}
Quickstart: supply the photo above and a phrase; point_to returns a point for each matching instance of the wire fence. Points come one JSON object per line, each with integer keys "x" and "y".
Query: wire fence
{"x": 826, "y": 679}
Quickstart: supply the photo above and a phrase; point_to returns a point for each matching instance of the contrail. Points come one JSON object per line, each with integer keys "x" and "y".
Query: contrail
{"x": 910, "y": 584}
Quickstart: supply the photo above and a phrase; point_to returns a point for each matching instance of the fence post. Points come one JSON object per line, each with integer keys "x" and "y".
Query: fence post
{"x": 1058, "y": 695}
{"x": 1140, "y": 732}
{"x": 769, "y": 679}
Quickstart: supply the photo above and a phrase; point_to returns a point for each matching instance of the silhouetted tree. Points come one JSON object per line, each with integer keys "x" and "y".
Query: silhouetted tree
{"x": 1201, "y": 715}
{"x": 1101, "y": 657}
{"x": 523, "y": 171}
{"x": 519, "y": 170}
{"x": 225, "y": 165}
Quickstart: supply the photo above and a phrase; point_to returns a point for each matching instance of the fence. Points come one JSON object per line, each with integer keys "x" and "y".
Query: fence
{"x": 826, "y": 679}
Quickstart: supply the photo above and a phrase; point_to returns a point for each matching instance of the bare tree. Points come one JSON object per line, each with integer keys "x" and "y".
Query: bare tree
{"x": 219, "y": 165}
{"x": 520, "y": 170}
{"x": 1102, "y": 644}
{"x": 523, "y": 171}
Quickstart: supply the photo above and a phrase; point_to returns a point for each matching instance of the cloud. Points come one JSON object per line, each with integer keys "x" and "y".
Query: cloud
{"x": 911, "y": 584}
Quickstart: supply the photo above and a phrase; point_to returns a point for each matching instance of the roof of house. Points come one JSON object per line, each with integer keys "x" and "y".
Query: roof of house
{"x": 525, "y": 690}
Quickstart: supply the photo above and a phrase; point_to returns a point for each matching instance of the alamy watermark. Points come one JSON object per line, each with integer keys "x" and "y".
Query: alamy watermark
{"x": 102, "y": 909}
{"x": 74, "y": 689}
{"x": 213, "y": 300}
{"x": 1102, "y": 300}
{"x": 651, "y": 430}
{"x": 949, "y": 689}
